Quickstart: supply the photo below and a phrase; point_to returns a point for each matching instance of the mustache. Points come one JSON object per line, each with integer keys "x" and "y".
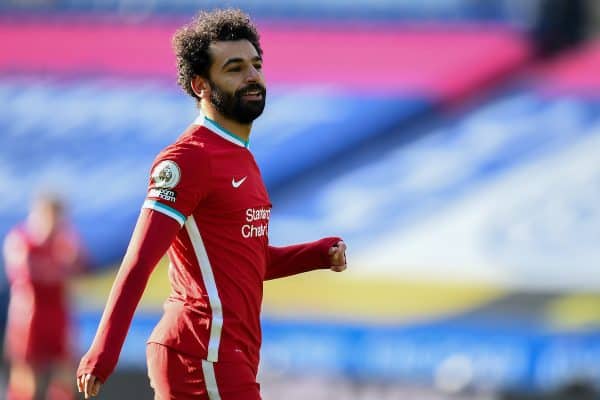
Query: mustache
{"x": 253, "y": 87}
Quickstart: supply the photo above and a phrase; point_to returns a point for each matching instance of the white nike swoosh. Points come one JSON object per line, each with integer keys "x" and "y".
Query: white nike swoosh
{"x": 237, "y": 184}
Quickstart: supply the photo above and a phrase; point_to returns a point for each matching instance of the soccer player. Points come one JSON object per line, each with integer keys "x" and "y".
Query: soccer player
{"x": 40, "y": 255}
{"x": 208, "y": 209}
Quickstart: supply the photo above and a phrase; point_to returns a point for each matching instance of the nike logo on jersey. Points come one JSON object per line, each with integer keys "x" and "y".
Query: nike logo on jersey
{"x": 237, "y": 184}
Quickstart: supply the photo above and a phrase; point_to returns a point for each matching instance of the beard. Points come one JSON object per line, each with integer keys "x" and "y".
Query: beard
{"x": 233, "y": 106}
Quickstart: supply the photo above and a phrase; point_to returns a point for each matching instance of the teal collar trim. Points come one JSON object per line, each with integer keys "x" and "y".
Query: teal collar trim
{"x": 219, "y": 130}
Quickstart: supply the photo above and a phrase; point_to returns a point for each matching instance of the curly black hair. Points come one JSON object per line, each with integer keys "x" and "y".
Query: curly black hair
{"x": 191, "y": 42}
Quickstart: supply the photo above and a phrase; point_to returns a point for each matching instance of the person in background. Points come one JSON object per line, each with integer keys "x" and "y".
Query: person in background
{"x": 40, "y": 255}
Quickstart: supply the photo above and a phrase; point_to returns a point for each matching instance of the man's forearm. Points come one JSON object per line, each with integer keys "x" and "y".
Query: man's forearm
{"x": 298, "y": 258}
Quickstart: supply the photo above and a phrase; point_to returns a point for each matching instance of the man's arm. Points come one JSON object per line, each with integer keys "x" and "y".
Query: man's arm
{"x": 327, "y": 253}
{"x": 151, "y": 238}
{"x": 16, "y": 255}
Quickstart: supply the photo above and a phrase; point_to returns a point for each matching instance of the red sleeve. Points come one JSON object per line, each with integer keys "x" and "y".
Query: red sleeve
{"x": 179, "y": 180}
{"x": 298, "y": 258}
{"x": 151, "y": 238}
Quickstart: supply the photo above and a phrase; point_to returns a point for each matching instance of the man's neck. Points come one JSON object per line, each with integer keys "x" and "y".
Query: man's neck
{"x": 241, "y": 130}
{"x": 38, "y": 231}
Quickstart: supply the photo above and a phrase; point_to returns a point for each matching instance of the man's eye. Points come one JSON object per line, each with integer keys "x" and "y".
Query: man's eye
{"x": 258, "y": 66}
{"x": 234, "y": 69}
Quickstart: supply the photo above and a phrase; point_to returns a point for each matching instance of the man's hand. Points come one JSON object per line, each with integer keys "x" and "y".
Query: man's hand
{"x": 89, "y": 385}
{"x": 337, "y": 257}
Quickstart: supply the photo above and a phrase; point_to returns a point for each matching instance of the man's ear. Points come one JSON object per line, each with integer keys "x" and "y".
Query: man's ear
{"x": 200, "y": 86}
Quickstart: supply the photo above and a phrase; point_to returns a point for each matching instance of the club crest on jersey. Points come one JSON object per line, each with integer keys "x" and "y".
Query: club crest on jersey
{"x": 166, "y": 175}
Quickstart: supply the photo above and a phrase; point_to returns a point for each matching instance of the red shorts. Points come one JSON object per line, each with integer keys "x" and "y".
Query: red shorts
{"x": 177, "y": 376}
{"x": 37, "y": 341}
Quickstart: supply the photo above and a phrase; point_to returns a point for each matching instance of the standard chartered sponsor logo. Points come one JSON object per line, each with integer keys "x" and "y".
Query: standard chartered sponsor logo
{"x": 257, "y": 222}
{"x": 250, "y": 231}
{"x": 256, "y": 214}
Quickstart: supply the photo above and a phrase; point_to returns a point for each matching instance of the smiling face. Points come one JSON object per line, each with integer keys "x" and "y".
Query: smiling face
{"x": 236, "y": 82}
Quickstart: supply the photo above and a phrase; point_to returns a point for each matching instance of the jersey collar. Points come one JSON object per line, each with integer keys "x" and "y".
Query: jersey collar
{"x": 219, "y": 130}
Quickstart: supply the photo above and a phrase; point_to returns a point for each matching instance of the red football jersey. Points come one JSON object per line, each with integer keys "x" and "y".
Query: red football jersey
{"x": 208, "y": 183}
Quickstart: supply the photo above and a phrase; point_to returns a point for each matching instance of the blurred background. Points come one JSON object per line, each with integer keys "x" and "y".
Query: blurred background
{"x": 454, "y": 144}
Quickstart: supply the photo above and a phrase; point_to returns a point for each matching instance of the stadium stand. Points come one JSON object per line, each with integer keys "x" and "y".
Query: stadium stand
{"x": 430, "y": 137}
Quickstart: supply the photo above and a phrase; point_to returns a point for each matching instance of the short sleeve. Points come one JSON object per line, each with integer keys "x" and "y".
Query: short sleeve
{"x": 179, "y": 180}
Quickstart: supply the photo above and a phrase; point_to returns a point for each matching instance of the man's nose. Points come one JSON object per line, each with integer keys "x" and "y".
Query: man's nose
{"x": 253, "y": 75}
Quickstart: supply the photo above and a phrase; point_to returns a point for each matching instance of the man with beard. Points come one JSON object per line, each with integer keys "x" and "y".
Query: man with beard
{"x": 208, "y": 209}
